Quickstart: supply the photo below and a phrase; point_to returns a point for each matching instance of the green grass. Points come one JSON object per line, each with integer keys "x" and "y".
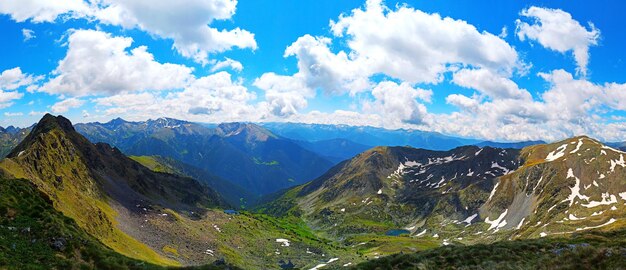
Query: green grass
{"x": 266, "y": 163}
{"x": 584, "y": 251}
{"x": 29, "y": 226}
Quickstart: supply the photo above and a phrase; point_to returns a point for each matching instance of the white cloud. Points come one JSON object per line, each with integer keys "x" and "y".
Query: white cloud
{"x": 462, "y": 102}
{"x": 43, "y": 10}
{"x": 284, "y": 95}
{"x": 14, "y": 78}
{"x": 555, "y": 29}
{"x": 504, "y": 32}
{"x": 66, "y": 105}
{"x": 6, "y": 98}
{"x": 319, "y": 68}
{"x": 10, "y": 81}
{"x": 13, "y": 114}
{"x": 398, "y": 102}
{"x": 227, "y": 63}
{"x": 415, "y": 46}
{"x": 490, "y": 84}
{"x": 98, "y": 63}
{"x": 28, "y": 34}
{"x": 212, "y": 98}
{"x": 187, "y": 23}
{"x": 569, "y": 107}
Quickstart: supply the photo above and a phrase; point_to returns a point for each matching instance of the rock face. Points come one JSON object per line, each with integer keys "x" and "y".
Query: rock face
{"x": 469, "y": 192}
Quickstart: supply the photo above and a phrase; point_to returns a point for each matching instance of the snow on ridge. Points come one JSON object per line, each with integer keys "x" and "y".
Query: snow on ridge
{"x": 556, "y": 154}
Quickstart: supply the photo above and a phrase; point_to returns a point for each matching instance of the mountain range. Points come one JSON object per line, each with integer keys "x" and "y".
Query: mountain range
{"x": 170, "y": 193}
{"x": 247, "y": 155}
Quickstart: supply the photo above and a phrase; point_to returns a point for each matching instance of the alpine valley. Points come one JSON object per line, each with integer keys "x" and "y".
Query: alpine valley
{"x": 167, "y": 193}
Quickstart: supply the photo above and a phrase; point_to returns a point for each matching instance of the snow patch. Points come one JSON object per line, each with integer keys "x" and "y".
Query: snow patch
{"x": 497, "y": 223}
{"x": 607, "y": 199}
{"x": 493, "y": 191}
{"x": 324, "y": 264}
{"x": 469, "y": 219}
{"x": 575, "y": 189}
{"x": 556, "y": 154}
{"x": 520, "y": 224}
{"x": 595, "y": 227}
{"x": 422, "y": 233}
{"x": 580, "y": 143}
{"x": 284, "y": 242}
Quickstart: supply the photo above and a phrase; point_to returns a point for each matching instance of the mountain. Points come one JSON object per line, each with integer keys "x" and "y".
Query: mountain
{"x": 367, "y": 135}
{"x": 335, "y": 150}
{"x": 232, "y": 193}
{"x": 99, "y": 187}
{"x": 34, "y": 234}
{"x": 516, "y": 145}
{"x": 467, "y": 195}
{"x": 10, "y": 137}
{"x": 393, "y": 187}
{"x": 159, "y": 218}
{"x": 246, "y": 154}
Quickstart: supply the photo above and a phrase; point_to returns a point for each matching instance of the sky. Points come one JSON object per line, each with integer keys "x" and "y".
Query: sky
{"x": 496, "y": 70}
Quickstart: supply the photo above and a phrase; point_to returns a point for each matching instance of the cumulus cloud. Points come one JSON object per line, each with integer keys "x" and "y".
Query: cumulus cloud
{"x": 66, "y": 105}
{"x": 567, "y": 108}
{"x": 10, "y": 81}
{"x": 489, "y": 83}
{"x": 215, "y": 97}
{"x": 555, "y": 29}
{"x": 14, "y": 78}
{"x": 398, "y": 102}
{"x": 43, "y": 10}
{"x": 227, "y": 63}
{"x": 405, "y": 44}
{"x": 99, "y": 63}
{"x": 284, "y": 95}
{"x": 187, "y": 23}
{"x": 416, "y": 46}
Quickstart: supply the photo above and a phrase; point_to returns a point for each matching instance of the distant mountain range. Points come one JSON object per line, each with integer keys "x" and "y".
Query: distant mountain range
{"x": 245, "y": 154}
{"x": 10, "y": 137}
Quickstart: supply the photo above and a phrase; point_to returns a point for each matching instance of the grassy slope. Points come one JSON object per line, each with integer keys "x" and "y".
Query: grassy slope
{"x": 593, "y": 250}
{"x": 29, "y": 225}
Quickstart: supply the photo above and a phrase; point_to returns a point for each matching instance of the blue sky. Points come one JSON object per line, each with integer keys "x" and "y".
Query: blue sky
{"x": 447, "y": 66}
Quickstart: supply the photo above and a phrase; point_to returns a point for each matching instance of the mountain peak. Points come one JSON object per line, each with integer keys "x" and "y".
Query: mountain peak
{"x": 250, "y": 131}
{"x": 50, "y": 122}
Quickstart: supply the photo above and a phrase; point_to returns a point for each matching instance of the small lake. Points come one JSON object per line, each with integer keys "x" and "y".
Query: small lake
{"x": 397, "y": 232}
